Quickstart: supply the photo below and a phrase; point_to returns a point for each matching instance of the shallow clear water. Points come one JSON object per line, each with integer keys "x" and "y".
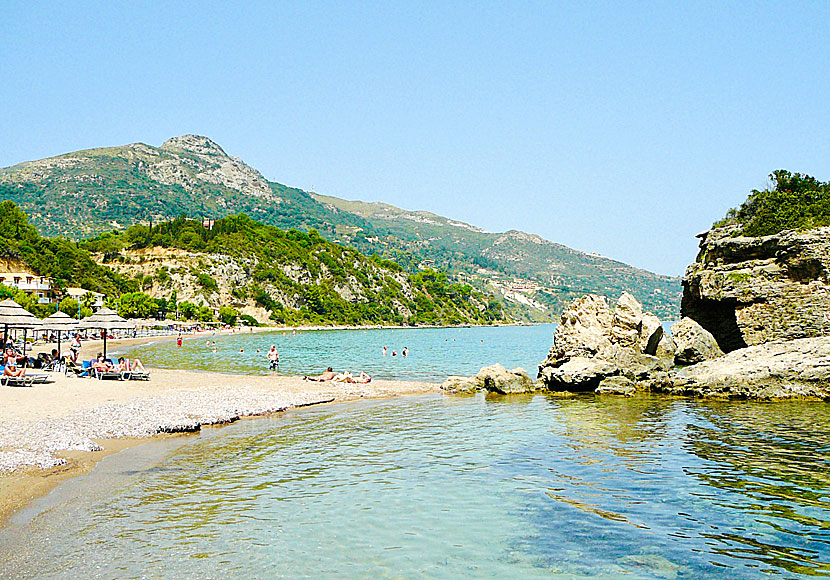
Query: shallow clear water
{"x": 434, "y": 353}
{"x": 453, "y": 487}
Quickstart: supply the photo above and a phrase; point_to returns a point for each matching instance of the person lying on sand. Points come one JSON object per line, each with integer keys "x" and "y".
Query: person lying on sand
{"x": 326, "y": 376}
{"x": 348, "y": 378}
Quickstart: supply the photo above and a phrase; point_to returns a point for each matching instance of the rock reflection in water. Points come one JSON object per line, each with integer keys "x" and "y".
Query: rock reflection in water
{"x": 771, "y": 461}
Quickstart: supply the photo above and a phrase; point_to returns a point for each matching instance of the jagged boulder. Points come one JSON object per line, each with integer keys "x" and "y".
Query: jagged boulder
{"x": 497, "y": 379}
{"x": 651, "y": 333}
{"x": 584, "y": 329}
{"x": 617, "y": 385}
{"x": 593, "y": 342}
{"x": 628, "y": 322}
{"x": 693, "y": 343}
{"x": 666, "y": 348}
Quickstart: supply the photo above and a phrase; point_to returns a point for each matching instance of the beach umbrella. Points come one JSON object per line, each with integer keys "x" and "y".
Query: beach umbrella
{"x": 60, "y": 322}
{"x": 13, "y": 315}
{"x": 106, "y": 319}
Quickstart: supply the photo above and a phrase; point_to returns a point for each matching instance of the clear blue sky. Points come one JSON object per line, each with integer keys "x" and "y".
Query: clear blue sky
{"x": 621, "y": 129}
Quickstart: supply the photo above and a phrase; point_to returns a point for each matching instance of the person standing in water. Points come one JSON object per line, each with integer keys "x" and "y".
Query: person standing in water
{"x": 273, "y": 358}
{"x": 384, "y": 351}
{"x": 179, "y": 340}
{"x": 405, "y": 351}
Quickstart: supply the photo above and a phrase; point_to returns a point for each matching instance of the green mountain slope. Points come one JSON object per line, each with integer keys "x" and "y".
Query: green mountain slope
{"x": 518, "y": 265}
{"x": 86, "y": 193}
{"x": 288, "y": 277}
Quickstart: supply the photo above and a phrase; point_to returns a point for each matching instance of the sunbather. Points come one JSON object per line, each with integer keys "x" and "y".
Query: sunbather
{"x": 126, "y": 366}
{"x": 102, "y": 365}
{"x": 326, "y": 376}
{"x": 18, "y": 360}
{"x": 348, "y": 378}
{"x": 11, "y": 369}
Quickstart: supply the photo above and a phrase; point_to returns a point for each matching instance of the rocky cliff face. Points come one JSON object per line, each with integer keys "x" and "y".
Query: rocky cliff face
{"x": 749, "y": 291}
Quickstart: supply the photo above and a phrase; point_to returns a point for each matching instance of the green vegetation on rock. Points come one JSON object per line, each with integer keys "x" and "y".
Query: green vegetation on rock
{"x": 793, "y": 202}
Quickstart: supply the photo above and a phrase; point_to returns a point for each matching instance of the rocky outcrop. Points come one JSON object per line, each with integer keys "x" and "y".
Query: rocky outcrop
{"x": 460, "y": 384}
{"x": 748, "y": 291}
{"x": 593, "y": 342}
{"x": 796, "y": 369}
{"x": 493, "y": 379}
{"x": 693, "y": 344}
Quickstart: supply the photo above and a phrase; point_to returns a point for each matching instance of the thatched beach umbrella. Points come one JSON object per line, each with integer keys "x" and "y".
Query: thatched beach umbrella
{"x": 13, "y": 315}
{"x": 106, "y": 319}
{"x": 60, "y": 322}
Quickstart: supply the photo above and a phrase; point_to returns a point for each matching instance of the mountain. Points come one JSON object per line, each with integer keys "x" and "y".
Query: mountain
{"x": 113, "y": 188}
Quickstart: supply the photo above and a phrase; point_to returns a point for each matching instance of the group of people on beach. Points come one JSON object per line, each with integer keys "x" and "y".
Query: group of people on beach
{"x": 124, "y": 365}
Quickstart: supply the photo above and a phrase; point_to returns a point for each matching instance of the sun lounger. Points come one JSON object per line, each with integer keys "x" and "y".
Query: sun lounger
{"x": 73, "y": 370}
{"x": 23, "y": 381}
{"x": 107, "y": 376}
{"x": 39, "y": 378}
{"x": 135, "y": 376}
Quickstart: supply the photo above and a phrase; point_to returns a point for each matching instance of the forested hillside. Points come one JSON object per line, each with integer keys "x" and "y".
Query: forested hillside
{"x": 289, "y": 277}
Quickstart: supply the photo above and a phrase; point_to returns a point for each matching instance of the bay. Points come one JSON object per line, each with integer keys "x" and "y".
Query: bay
{"x": 453, "y": 487}
{"x": 434, "y": 353}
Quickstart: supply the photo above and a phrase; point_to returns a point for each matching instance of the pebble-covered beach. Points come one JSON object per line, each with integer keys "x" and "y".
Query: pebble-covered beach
{"x": 40, "y": 422}
{"x": 48, "y": 425}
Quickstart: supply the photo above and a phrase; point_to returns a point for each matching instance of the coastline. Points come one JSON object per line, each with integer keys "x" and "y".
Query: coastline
{"x": 59, "y": 430}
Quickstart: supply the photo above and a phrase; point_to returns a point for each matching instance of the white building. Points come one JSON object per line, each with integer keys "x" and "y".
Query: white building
{"x": 79, "y": 293}
{"x": 40, "y": 286}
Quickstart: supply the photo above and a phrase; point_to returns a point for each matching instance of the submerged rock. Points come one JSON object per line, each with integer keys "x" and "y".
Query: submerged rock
{"x": 498, "y": 379}
{"x": 618, "y": 385}
{"x": 493, "y": 379}
{"x": 459, "y": 384}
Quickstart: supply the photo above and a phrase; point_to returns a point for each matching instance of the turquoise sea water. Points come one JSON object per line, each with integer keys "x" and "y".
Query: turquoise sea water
{"x": 453, "y": 487}
{"x": 434, "y": 353}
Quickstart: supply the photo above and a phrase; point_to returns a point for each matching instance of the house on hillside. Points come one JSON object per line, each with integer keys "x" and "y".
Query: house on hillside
{"x": 79, "y": 293}
{"x": 40, "y": 286}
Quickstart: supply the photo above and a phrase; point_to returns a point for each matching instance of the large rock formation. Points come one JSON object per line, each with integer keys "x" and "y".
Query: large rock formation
{"x": 748, "y": 291}
{"x": 592, "y": 343}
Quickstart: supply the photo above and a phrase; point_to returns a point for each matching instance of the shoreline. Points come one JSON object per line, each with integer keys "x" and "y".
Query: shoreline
{"x": 56, "y": 431}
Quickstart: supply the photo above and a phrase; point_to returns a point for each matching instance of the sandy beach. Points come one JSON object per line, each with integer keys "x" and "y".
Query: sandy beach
{"x": 63, "y": 428}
